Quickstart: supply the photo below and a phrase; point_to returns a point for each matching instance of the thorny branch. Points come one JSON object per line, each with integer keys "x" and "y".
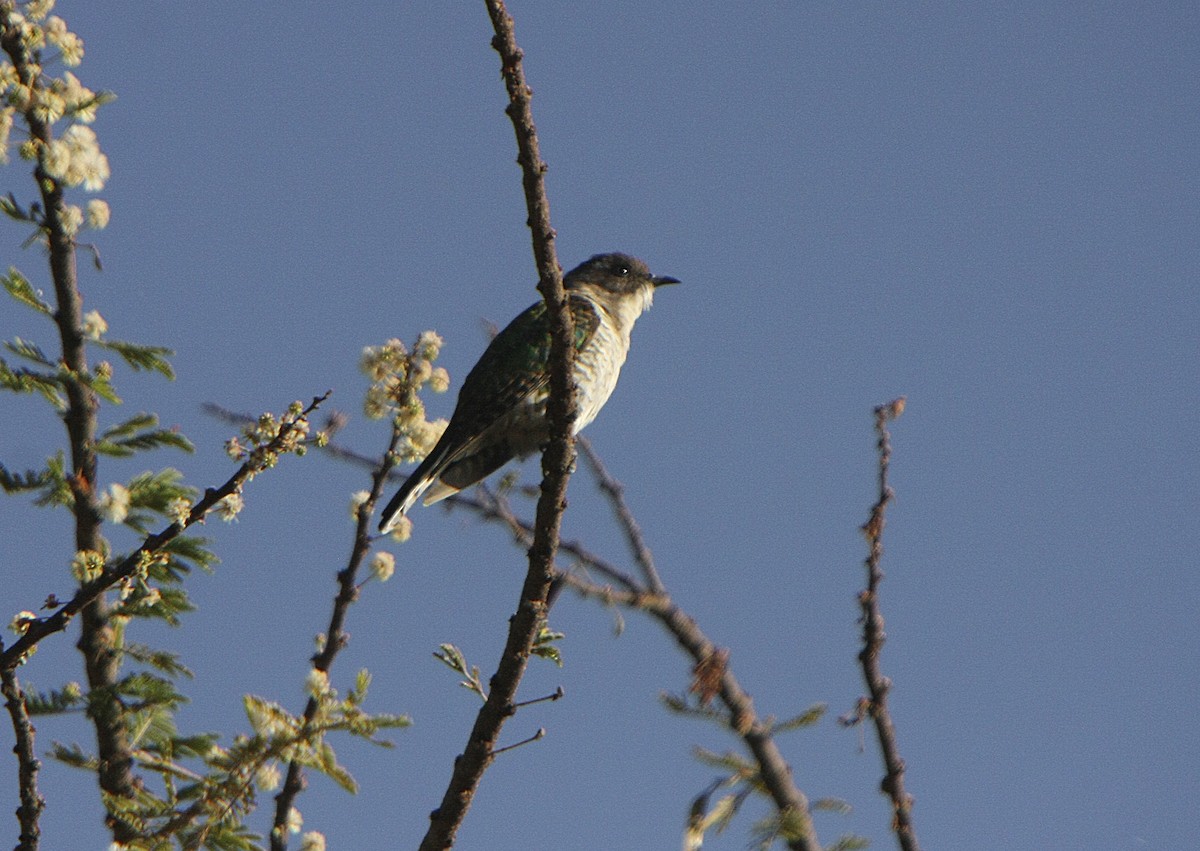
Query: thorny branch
{"x": 874, "y": 637}
{"x": 556, "y": 459}
{"x": 615, "y": 492}
{"x": 625, "y": 590}
{"x": 774, "y": 771}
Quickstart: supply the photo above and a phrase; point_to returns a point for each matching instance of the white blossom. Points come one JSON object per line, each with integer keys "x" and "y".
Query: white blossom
{"x": 94, "y": 326}
{"x": 383, "y": 565}
{"x": 114, "y": 504}
{"x": 97, "y": 214}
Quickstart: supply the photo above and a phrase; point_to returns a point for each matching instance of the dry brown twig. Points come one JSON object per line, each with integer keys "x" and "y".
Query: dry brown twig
{"x": 875, "y": 707}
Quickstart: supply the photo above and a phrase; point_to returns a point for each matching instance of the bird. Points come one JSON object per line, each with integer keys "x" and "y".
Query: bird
{"x": 501, "y": 410}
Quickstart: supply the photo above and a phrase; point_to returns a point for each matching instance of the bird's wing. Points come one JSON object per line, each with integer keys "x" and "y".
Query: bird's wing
{"x": 511, "y": 370}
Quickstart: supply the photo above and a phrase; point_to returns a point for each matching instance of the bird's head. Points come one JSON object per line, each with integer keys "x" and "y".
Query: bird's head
{"x": 615, "y": 275}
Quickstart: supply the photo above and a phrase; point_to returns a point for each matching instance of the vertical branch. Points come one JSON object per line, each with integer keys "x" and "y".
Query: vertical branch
{"x": 32, "y": 803}
{"x": 97, "y": 640}
{"x": 556, "y": 459}
{"x": 874, "y": 637}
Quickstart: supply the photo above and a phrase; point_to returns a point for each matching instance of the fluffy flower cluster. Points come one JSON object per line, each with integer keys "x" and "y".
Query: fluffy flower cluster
{"x": 272, "y": 436}
{"x": 383, "y": 565}
{"x": 114, "y": 503}
{"x": 70, "y": 46}
{"x": 37, "y": 30}
{"x": 75, "y": 158}
{"x": 397, "y": 376}
{"x": 87, "y": 565}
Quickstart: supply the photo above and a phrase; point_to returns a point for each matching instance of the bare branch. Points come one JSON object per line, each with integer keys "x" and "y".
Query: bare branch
{"x": 32, "y": 802}
{"x": 741, "y": 718}
{"x": 874, "y": 637}
{"x": 615, "y": 492}
{"x": 556, "y": 458}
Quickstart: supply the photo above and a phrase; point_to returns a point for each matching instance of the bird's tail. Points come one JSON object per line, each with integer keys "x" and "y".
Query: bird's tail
{"x": 416, "y": 484}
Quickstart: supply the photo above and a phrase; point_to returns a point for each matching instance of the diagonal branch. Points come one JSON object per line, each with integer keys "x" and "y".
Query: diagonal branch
{"x": 42, "y": 627}
{"x": 336, "y": 637}
{"x": 556, "y": 458}
{"x": 742, "y": 720}
{"x": 874, "y": 637}
{"x": 615, "y": 491}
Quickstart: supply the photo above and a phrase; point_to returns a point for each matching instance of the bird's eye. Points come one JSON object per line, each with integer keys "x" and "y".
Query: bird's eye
{"x": 622, "y": 271}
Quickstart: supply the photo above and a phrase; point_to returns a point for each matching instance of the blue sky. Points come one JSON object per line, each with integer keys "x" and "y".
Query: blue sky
{"x": 989, "y": 209}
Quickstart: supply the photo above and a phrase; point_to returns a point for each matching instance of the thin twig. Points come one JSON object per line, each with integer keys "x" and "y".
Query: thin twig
{"x": 874, "y": 637}
{"x": 335, "y": 636}
{"x": 492, "y": 506}
{"x": 776, "y": 775}
{"x": 556, "y": 458}
{"x": 615, "y": 492}
{"x": 536, "y": 737}
{"x": 32, "y": 803}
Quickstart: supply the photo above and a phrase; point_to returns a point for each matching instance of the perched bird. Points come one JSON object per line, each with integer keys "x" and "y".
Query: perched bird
{"x": 501, "y": 410}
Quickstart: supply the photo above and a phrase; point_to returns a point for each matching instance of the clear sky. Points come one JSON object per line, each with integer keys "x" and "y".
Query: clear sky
{"x": 992, "y": 209}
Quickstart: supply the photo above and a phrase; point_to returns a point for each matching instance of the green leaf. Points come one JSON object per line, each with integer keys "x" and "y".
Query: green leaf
{"x": 833, "y": 805}
{"x": 138, "y": 422}
{"x": 57, "y": 492}
{"x": 191, "y": 550}
{"x": 727, "y": 761}
{"x": 53, "y": 702}
{"x": 101, "y": 385}
{"x": 10, "y": 208}
{"x": 806, "y": 718}
{"x": 30, "y": 351}
{"x": 74, "y": 756}
{"x": 548, "y": 651}
{"x": 27, "y": 381}
{"x": 30, "y": 480}
{"x": 327, "y": 764}
{"x": 452, "y": 658}
{"x": 141, "y": 358}
{"x": 156, "y": 491}
{"x": 137, "y": 434}
{"x": 14, "y": 282}
{"x": 160, "y": 660}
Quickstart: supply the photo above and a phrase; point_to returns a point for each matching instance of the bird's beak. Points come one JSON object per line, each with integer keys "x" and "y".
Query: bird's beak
{"x": 663, "y": 280}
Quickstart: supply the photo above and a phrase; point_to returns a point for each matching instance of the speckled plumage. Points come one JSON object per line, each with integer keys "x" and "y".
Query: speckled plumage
{"x": 501, "y": 410}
